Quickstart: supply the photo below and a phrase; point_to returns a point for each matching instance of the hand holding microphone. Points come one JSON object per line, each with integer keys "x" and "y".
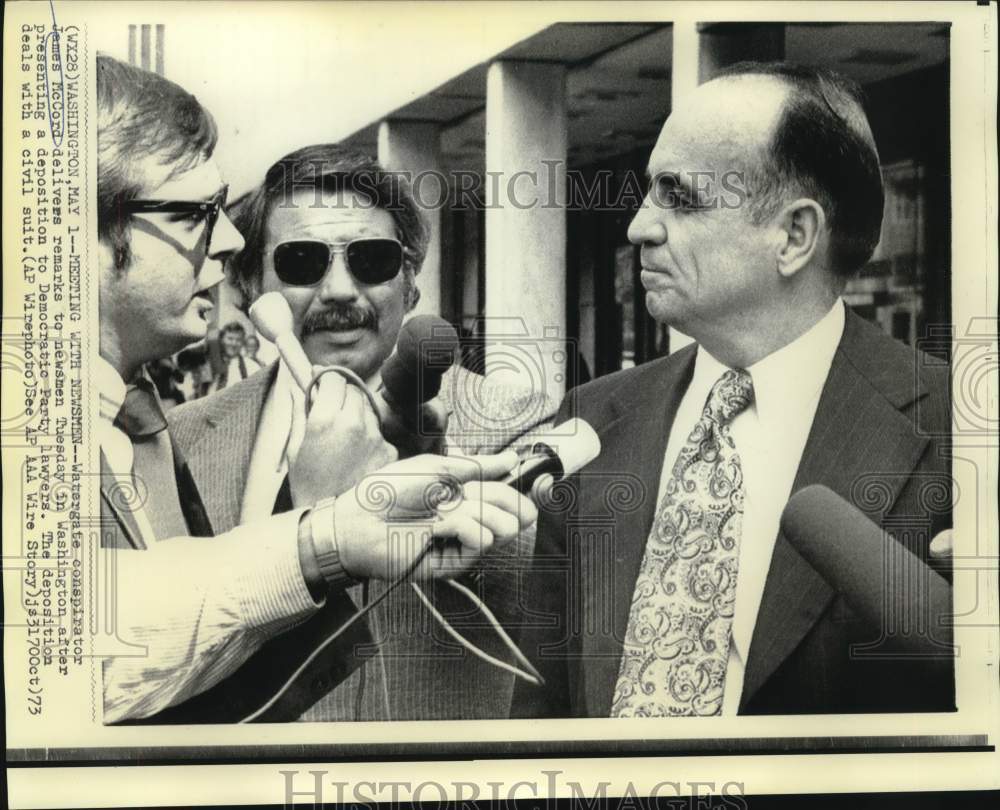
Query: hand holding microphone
{"x": 342, "y": 441}
{"x": 413, "y": 419}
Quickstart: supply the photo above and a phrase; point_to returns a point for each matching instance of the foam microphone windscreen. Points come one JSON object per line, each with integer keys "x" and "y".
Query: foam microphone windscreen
{"x": 273, "y": 318}
{"x": 881, "y": 580}
{"x": 425, "y": 350}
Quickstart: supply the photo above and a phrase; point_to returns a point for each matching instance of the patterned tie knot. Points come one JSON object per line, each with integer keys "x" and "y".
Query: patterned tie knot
{"x": 141, "y": 415}
{"x": 730, "y": 396}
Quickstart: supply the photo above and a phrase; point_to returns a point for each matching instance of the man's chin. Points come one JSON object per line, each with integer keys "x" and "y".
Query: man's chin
{"x": 354, "y": 356}
{"x": 192, "y": 329}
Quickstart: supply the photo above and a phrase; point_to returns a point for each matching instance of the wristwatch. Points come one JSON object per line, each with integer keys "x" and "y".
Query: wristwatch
{"x": 324, "y": 543}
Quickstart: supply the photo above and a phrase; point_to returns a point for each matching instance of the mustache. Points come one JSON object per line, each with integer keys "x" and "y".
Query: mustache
{"x": 339, "y": 317}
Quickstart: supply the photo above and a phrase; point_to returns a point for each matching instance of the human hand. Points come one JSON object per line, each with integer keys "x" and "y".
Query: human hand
{"x": 342, "y": 443}
{"x": 425, "y": 434}
{"x": 384, "y": 523}
{"x": 941, "y": 545}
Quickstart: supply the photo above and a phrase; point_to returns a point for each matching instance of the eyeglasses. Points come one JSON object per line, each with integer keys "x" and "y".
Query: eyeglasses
{"x": 304, "y": 262}
{"x": 204, "y": 209}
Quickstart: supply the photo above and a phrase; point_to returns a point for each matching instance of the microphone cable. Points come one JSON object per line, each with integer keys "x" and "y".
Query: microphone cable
{"x": 528, "y": 673}
{"x": 363, "y": 611}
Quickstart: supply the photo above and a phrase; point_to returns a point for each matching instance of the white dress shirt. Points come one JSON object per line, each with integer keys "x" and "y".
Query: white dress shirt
{"x": 279, "y": 436}
{"x": 199, "y": 606}
{"x": 769, "y": 436}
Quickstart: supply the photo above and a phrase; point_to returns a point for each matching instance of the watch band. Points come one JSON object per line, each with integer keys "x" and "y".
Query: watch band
{"x": 324, "y": 543}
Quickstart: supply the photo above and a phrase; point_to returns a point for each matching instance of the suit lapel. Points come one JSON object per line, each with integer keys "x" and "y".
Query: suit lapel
{"x": 859, "y": 444}
{"x": 220, "y": 458}
{"x": 636, "y": 439}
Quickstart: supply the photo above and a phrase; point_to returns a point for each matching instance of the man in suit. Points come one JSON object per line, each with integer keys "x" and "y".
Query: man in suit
{"x": 317, "y": 229}
{"x": 201, "y": 601}
{"x": 662, "y": 584}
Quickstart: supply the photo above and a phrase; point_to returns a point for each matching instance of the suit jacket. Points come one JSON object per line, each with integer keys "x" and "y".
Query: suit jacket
{"x": 879, "y": 439}
{"x": 418, "y": 672}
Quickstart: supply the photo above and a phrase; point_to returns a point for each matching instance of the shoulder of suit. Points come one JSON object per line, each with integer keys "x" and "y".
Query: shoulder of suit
{"x": 485, "y": 416}
{"x": 461, "y": 387}
{"x": 903, "y": 373}
{"x": 621, "y": 383}
{"x": 190, "y": 417}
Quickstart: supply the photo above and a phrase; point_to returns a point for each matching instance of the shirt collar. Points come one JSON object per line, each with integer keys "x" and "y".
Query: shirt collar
{"x": 793, "y": 376}
{"x": 111, "y": 389}
{"x": 787, "y": 378}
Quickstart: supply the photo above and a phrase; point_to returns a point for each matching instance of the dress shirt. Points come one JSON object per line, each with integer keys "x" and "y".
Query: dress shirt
{"x": 769, "y": 437}
{"x": 199, "y": 606}
{"x": 279, "y": 436}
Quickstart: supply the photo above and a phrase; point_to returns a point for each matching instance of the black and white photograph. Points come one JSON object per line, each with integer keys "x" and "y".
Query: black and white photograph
{"x": 499, "y": 401}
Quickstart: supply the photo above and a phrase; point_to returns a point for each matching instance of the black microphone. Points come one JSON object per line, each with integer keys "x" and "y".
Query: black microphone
{"x": 878, "y": 577}
{"x": 425, "y": 350}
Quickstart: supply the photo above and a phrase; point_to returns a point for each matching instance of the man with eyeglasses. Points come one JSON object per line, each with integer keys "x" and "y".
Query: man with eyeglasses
{"x": 194, "y": 600}
{"x": 343, "y": 240}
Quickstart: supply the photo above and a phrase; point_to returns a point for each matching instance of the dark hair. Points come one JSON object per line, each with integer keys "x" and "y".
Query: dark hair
{"x": 822, "y": 146}
{"x": 233, "y": 326}
{"x": 141, "y": 115}
{"x": 326, "y": 167}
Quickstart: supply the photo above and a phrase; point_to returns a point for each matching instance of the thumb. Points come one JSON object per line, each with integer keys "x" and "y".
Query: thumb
{"x": 941, "y": 545}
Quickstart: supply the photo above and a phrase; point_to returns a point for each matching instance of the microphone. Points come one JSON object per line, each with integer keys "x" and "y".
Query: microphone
{"x": 580, "y": 446}
{"x": 858, "y": 559}
{"x": 425, "y": 350}
{"x": 273, "y": 318}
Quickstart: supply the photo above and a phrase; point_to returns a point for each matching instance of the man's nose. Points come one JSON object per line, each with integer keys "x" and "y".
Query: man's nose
{"x": 647, "y": 225}
{"x": 226, "y": 240}
{"x": 338, "y": 284}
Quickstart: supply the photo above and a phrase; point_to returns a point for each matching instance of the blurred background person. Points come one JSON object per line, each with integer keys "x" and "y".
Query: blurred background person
{"x": 236, "y": 365}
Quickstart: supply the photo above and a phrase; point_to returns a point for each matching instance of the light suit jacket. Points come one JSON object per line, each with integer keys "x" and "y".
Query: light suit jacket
{"x": 879, "y": 439}
{"x": 416, "y": 671}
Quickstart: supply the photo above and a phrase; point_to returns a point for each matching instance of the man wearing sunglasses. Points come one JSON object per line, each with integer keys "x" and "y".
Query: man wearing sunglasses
{"x": 194, "y": 600}
{"x": 342, "y": 240}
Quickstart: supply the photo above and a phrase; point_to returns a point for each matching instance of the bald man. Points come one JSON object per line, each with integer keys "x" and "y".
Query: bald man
{"x": 687, "y": 600}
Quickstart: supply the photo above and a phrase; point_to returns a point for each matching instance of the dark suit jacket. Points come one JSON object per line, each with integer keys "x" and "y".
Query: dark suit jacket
{"x": 878, "y": 439}
{"x": 420, "y": 673}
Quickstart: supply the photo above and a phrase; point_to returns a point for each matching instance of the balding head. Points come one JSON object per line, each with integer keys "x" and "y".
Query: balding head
{"x": 816, "y": 143}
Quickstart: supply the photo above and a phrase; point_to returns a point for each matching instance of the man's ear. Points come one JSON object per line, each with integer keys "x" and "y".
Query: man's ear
{"x": 802, "y": 225}
{"x": 114, "y": 258}
{"x": 413, "y": 296}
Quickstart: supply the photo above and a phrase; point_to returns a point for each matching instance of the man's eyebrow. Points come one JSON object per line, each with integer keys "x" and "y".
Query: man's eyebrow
{"x": 209, "y": 195}
{"x": 673, "y": 180}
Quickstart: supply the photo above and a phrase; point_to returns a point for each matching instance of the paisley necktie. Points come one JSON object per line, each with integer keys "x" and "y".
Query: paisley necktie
{"x": 677, "y": 640}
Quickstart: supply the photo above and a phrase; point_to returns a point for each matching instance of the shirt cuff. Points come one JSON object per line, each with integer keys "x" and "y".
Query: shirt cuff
{"x": 324, "y": 543}
{"x": 273, "y": 581}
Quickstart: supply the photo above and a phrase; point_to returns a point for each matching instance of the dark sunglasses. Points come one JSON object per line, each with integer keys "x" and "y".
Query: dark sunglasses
{"x": 206, "y": 209}
{"x": 304, "y": 262}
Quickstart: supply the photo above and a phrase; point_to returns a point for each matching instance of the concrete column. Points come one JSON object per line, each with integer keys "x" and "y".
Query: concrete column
{"x": 701, "y": 51}
{"x": 724, "y": 44}
{"x": 684, "y": 77}
{"x": 414, "y": 147}
{"x": 684, "y": 61}
{"x": 526, "y": 224}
